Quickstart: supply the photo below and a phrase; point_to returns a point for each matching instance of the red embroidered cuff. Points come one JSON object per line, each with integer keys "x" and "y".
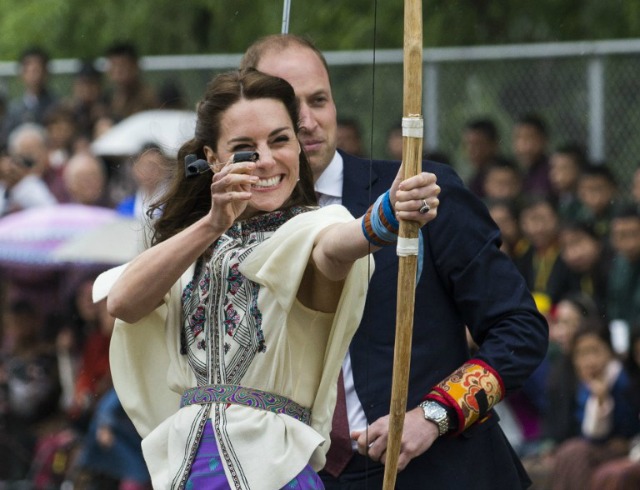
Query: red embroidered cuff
{"x": 471, "y": 391}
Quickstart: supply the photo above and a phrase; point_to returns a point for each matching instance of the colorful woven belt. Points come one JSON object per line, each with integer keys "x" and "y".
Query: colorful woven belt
{"x": 248, "y": 397}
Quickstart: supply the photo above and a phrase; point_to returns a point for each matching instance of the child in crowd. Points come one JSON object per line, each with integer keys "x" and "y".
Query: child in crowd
{"x": 624, "y": 473}
{"x": 623, "y": 298}
{"x": 597, "y": 192}
{"x": 558, "y": 422}
{"x": 502, "y": 180}
{"x": 505, "y": 214}
{"x": 565, "y": 166}
{"x": 541, "y": 265}
{"x": 530, "y": 139}
{"x": 588, "y": 257}
{"x": 604, "y": 411}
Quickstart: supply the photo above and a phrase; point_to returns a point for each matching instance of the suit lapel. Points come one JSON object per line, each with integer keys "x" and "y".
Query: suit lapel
{"x": 359, "y": 181}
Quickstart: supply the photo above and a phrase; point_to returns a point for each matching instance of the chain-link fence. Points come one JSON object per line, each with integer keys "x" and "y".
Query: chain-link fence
{"x": 586, "y": 92}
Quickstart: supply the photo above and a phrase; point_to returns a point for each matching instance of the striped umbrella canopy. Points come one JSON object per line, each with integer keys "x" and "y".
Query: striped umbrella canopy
{"x": 31, "y": 237}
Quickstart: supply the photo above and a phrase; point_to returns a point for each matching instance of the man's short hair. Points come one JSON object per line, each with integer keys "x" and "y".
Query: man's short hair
{"x": 599, "y": 170}
{"x": 124, "y": 49}
{"x": 277, "y": 42}
{"x": 575, "y": 151}
{"x": 626, "y": 211}
{"x": 34, "y": 52}
{"x": 484, "y": 126}
{"x": 535, "y": 121}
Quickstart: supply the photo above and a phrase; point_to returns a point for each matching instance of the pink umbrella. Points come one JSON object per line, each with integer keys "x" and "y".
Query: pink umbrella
{"x": 31, "y": 237}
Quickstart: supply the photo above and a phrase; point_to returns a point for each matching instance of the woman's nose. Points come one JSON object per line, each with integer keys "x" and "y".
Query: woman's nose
{"x": 266, "y": 157}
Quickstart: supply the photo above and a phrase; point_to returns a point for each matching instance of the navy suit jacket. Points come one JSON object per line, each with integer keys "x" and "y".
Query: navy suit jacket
{"x": 466, "y": 281}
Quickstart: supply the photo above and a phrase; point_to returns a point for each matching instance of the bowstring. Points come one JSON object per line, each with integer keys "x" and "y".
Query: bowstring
{"x": 370, "y": 199}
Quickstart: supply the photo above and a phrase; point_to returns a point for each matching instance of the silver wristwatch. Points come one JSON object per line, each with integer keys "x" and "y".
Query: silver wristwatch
{"x": 435, "y": 412}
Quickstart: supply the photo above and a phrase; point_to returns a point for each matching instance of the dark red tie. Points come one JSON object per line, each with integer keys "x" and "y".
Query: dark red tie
{"x": 340, "y": 452}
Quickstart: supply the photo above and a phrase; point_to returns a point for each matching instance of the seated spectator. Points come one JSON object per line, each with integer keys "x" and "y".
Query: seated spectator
{"x": 111, "y": 453}
{"x": 129, "y": 93}
{"x": 62, "y": 135}
{"x": 503, "y": 181}
{"x": 349, "y": 137}
{"x": 624, "y": 473}
{"x": 394, "y": 143}
{"x": 606, "y": 417}
{"x": 623, "y": 298}
{"x": 29, "y": 385}
{"x": 20, "y": 188}
{"x": 88, "y": 101}
{"x": 589, "y": 259}
{"x": 79, "y": 320}
{"x": 481, "y": 148}
{"x": 505, "y": 213}
{"x": 530, "y": 139}
{"x": 94, "y": 375}
{"x": 544, "y": 270}
{"x": 598, "y": 193}
{"x": 565, "y": 166}
{"x": 150, "y": 173}
{"x": 558, "y": 422}
{"x": 85, "y": 179}
{"x": 29, "y": 142}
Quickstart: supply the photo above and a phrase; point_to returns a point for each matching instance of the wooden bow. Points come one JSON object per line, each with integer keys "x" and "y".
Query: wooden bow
{"x": 412, "y": 165}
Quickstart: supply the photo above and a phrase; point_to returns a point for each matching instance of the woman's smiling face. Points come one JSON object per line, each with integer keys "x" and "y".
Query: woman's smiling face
{"x": 263, "y": 125}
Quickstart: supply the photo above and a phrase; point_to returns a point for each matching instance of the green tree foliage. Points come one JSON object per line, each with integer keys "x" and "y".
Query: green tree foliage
{"x": 78, "y": 28}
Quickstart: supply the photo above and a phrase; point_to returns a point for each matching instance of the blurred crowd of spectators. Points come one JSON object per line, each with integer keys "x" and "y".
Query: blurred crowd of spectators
{"x": 565, "y": 222}
{"x": 61, "y": 424}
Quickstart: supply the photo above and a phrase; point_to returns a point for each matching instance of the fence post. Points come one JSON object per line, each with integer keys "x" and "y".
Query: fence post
{"x": 430, "y": 104}
{"x": 595, "y": 87}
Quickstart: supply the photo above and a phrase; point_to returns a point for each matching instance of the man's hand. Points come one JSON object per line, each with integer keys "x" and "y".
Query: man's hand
{"x": 418, "y": 435}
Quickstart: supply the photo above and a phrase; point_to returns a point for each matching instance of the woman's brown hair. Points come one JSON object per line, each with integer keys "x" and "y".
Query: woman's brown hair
{"x": 189, "y": 199}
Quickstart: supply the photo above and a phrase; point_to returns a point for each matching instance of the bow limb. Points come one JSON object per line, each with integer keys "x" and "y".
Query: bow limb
{"x": 408, "y": 236}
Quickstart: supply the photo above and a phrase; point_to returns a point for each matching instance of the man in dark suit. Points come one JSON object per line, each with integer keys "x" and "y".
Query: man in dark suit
{"x": 451, "y": 438}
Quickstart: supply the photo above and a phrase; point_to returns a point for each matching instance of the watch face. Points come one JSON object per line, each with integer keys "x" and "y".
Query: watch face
{"x": 436, "y": 411}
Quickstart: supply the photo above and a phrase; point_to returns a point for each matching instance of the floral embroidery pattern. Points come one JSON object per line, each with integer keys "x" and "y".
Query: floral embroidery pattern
{"x": 231, "y": 319}
{"x": 205, "y": 281}
{"x": 188, "y": 291}
{"x": 234, "y": 279}
{"x": 222, "y": 318}
{"x": 197, "y": 321}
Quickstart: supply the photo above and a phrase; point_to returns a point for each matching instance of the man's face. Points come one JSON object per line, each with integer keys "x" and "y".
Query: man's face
{"x": 122, "y": 70}
{"x": 479, "y": 148}
{"x": 34, "y": 73}
{"x": 302, "y": 68}
{"x": 563, "y": 172}
{"x": 625, "y": 237}
{"x": 528, "y": 144}
{"x": 595, "y": 192}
